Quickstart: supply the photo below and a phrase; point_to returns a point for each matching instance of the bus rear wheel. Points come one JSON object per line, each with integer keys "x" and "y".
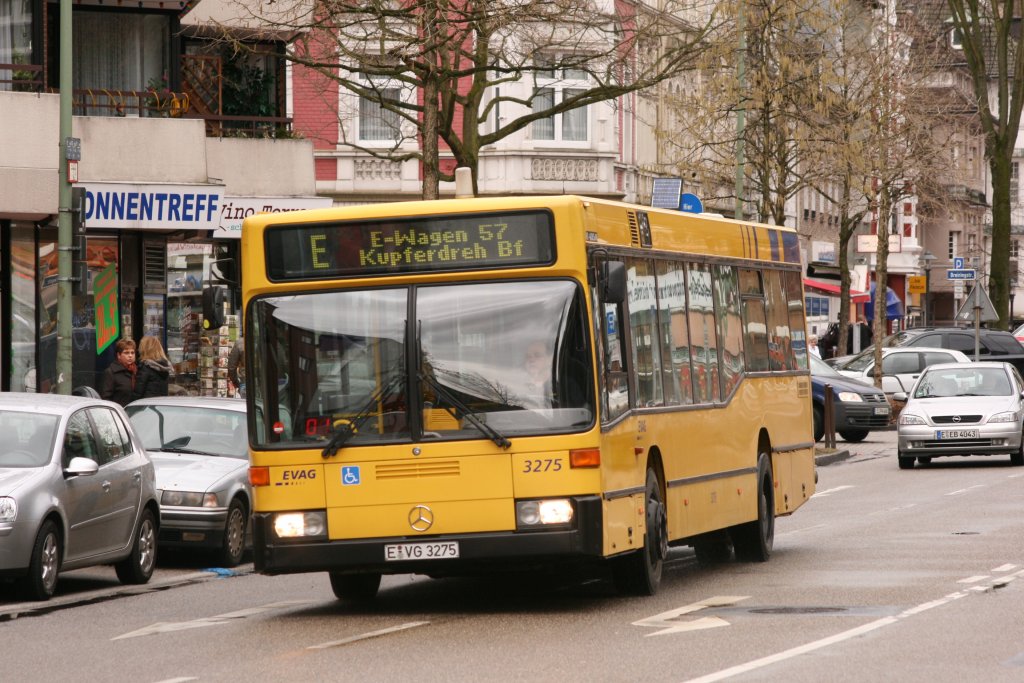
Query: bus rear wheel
{"x": 355, "y": 588}
{"x": 639, "y": 572}
{"x": 753, "y": 541}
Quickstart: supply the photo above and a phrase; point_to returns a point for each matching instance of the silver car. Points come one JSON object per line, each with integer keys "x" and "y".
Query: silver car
{"x": 200, "y": 449}
{"x": 76, "y": 489}
{"x": 963, "y": 409}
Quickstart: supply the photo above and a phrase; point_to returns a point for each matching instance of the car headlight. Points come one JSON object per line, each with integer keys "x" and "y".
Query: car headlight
{"x": 8, "y": 509}
{"x": 192, "y": 499}
{"x": 850, "y": 397}
{"x": 1005, "y": 417}
{"x": 310, "y": 524}
{"x": 911, "y": 419}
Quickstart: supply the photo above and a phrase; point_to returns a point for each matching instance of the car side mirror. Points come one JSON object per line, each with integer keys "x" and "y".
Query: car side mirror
{"x": 81, "y": 467}
{"x": 900, "y": 396}
{"x": 613, "y": 282}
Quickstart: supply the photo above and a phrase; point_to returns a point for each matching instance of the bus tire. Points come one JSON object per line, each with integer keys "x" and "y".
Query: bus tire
{"x": 753, "y": 541}
{"x": 355, "y": 588}
{"x": 715, "y": 550}
{"x": 639, "y": 572}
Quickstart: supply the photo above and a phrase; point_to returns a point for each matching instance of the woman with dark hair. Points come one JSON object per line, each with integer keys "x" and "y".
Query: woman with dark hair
{"x": 119, "y": 379}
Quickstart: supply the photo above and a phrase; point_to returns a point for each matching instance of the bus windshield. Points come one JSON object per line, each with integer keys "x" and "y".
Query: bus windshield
{"x": 408, "y": 363}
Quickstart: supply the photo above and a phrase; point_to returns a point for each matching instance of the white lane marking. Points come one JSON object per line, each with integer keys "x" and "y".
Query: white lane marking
{"x": 1004, "y": 568}
{"x": 168, "y": 627}
{"x": 824, "y": 642}
{"x": 893, "y": 509}
{"x": 366, "y": 636}
{"x": 974, "y": 579}
{"x": 179, "y": 680}
{"x": 666, "y": 620}
{"x": 969, "y": 488}
{"x": 822, "y": 494}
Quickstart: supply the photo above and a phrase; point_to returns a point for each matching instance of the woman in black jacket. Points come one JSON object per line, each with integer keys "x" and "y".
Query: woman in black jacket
{"x": 155, "y": 369}
{"x": 121, "y": 377}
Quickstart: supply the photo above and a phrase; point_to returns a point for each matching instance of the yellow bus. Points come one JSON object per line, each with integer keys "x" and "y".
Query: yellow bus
{"x": 460, "y": 386}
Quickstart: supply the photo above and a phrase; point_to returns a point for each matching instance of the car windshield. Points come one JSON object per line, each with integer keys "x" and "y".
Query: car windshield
{"x": 463, "y": 361}
{"x": 191, "y": 429}
{"x": 861, "y": 362}
{"x": 820, "y": 368}
{"x": 941, "y": 383}
{"x": 28, "y": 438}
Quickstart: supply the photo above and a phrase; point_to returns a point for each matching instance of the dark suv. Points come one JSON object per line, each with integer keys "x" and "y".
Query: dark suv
{"x": 859, "y": 407}
{"x": 992, "y": 344}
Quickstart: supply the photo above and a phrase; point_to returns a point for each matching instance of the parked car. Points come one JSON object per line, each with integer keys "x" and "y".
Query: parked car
{"x": 76, "y": 490}
{"x": 859, "y": 407}
{"x": 901, "y": 366}
{"x": 200, "y": 449}
{"x": 1019, "y": 333}
{"x": 963, "y": 409}
{"x": 992, "y": 344}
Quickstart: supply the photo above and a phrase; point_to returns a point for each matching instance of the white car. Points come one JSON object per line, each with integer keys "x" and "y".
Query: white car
{"x": 963, "y": 409}
{"x": 200, "y": 448}
{"x": 901, "y": 366}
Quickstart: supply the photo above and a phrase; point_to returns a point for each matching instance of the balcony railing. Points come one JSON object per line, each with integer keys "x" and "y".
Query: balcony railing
{"x": 152, "y": 103}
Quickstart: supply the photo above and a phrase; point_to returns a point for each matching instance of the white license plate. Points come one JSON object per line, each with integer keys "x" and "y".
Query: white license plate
{"x": 398, "y": 552}
{"x": 881, "y": 410}
{"x": 944, "y": 434}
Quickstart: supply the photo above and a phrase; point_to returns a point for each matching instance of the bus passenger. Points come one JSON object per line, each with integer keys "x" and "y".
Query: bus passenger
{"x": 537, "y": 387}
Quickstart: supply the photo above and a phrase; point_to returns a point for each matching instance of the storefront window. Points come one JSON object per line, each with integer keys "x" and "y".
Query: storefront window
{"x": 199, "y": 354}
{"x": 23, "y": 309}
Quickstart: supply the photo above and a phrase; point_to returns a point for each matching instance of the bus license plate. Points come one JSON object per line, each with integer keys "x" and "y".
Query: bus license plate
{"x": 397, "y": 552}
{"x": 944, "y": 434}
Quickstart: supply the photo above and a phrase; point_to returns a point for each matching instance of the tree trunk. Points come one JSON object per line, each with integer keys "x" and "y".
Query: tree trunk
{"x": 431, "y": 158}
{"x": 999, "y": 275}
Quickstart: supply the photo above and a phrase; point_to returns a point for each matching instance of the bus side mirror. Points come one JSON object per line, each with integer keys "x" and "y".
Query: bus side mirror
{"x": 613, "y": 282}
{"x": 213, "y": 307}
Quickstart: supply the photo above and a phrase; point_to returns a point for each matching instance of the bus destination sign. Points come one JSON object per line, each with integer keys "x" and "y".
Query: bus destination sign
{"x": 437, "y": 243}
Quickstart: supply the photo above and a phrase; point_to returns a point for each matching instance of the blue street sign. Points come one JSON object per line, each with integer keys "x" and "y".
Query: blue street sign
{"x": 961, "y": 274}
{"x": 690, "y": 203}
{"x": 958, "y": 263}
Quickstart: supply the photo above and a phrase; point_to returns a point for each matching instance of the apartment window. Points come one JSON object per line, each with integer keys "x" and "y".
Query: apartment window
{"x": 956, "y": 39}
{"x": 908, "y": 209}
{"x": 377, "y": 123}
{"x": 1015, "y": 183}
{"x": 555, "y": 86}
{"x": 954, "y": 240}
{"x": 1014, "y": 249}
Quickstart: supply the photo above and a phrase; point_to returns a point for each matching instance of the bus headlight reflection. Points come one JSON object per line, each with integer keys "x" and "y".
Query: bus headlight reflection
{"x": 535, "y": 513}
{"x": 301, "y": 524}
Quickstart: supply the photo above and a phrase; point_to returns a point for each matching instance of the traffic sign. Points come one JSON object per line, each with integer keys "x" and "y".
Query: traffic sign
{"x": 978, "y": 303}
{"x": 958, "y": 262}
{"x": 961, "y": 274}
{"x": 690, "y": 203}
{"x": 665, "y": 193}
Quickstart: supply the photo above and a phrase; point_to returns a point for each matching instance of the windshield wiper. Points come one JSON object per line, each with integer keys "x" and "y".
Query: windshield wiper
{"x": 491, "y": 433}
{"x": 342, "y": 436}
{"x": 190, "y": 451}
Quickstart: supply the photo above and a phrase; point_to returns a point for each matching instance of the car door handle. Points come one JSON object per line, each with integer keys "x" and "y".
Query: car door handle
{"x": 137, "y": 476}
{"x": 106, "y": 486}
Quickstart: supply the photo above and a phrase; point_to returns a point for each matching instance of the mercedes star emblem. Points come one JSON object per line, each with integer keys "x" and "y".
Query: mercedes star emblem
{"x": 421, "y": 518}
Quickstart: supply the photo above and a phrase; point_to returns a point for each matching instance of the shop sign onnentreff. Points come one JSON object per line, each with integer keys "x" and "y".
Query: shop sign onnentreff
{"x": 237, "y": 209}
{"x": 146, "y": 206}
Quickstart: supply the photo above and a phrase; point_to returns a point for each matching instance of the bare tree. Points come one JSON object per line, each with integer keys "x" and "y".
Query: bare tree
{"x": 469, "y": 73}
{"x": 989, "y": 32}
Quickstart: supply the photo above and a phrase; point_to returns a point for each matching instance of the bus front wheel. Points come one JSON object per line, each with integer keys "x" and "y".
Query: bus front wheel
{"x": 753, "y": 541}
{"x": 355, "y": 588}
{"x": 639, "y": 572}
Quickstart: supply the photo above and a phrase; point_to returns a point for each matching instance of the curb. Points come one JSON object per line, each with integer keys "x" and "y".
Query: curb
{"x": 830, "y": 458}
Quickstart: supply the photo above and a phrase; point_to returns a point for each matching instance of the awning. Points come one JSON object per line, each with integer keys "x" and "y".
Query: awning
{"x": 834, "y": 289}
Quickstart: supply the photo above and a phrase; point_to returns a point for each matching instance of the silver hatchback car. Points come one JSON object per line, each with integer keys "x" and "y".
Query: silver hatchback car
{"x": 76, "y": 490}
{"x": 974, "y": 408}
{"x": 200, "y": 448}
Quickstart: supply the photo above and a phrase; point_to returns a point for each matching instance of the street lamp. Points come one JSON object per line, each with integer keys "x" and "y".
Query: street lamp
{"x": 927, "y": 257}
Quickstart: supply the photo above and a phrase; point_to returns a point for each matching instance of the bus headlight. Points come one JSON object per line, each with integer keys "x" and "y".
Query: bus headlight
{"x": 537, "y": 513}
{"x": 311, "y": 524}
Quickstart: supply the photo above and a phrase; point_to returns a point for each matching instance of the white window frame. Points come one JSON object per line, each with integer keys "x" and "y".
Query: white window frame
{"x": 382, "y": 83}
{"x": 565, "y": 81}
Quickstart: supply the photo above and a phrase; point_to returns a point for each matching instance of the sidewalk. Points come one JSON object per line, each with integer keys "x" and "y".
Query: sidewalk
{"x": 879, "y": 443}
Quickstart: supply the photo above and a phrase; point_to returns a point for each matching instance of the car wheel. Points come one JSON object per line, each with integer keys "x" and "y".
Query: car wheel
{"x": 854, "y": 435}
{"x": 819, "y": 423}
{"x": 233, "y": 546}
{"x": 906, "y": 462}
{"x": 639, "y": 572}
{"x": 41, "y": 581}
{"x": 355, "y": 588}
{"x": 753, "y": 541}
{"x": 1017, "y": 459}
{"x": 138, "y": 566}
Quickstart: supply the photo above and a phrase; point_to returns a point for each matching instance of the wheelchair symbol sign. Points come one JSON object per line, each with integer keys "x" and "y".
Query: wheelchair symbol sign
{"x": 350, "y": 475}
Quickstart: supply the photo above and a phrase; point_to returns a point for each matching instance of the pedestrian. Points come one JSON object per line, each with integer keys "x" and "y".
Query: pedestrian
{"x": 812, "y": 344}
{"x": 155, "y": 369}
{"x": 236, "y": 366}
{"x": 119, "y": 379}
